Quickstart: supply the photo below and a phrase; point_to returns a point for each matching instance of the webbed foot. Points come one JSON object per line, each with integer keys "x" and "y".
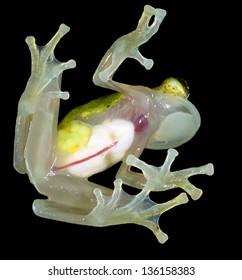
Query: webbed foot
{"x": 162, "y": 179}
{"x": 123, "y": 208}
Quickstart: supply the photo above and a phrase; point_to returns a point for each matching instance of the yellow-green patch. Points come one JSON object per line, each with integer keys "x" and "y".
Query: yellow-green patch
{"x": 174, "y": 86}
{"x": 73, "y": 136}
{"x": 93, "y": 107}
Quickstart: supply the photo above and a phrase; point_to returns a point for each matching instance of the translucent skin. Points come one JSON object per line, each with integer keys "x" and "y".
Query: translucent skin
{"x": 95, "y": 136}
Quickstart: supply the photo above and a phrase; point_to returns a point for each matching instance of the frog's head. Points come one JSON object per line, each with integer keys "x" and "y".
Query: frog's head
{"x": 174, "y": 87}
{"x": 179, "y": 120}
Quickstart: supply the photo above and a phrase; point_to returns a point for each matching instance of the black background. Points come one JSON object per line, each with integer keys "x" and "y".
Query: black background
{"x": 189, "y": 44}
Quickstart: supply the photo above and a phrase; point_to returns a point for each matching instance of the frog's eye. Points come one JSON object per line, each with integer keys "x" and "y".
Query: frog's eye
{"x": 172, "y": 86}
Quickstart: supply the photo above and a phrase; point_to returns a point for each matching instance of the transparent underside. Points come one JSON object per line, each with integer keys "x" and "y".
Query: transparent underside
{"x": 76, "y": 200}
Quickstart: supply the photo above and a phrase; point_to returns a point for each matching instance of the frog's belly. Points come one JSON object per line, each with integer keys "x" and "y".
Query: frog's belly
{"x": 107, "y": 146}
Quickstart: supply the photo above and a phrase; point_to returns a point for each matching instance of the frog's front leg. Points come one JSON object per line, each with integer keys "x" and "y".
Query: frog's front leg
{"x": 162, "y": 179}
{"x": 127, "y": 47}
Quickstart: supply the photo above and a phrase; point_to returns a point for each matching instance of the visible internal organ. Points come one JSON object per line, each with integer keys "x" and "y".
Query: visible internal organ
{"x": 140, "y": 123}
{"x": 87, "y": 158}
{"x": 108, "y": 144}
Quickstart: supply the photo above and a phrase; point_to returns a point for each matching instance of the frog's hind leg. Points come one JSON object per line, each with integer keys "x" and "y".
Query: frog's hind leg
{"x": 152, "y": 222}
{"x": 50, "y": 209}
{"x": 108, "y": 209}
{"x": 123, "y": 208}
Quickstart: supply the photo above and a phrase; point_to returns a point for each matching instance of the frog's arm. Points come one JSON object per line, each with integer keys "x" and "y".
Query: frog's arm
{"x": 127, "y": 47}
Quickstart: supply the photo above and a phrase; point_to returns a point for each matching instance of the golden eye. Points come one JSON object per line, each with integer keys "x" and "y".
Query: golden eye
{"x": 174, "y": 86}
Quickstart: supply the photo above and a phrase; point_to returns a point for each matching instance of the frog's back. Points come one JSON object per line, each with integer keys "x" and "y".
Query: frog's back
{"x": 93, "y": 108}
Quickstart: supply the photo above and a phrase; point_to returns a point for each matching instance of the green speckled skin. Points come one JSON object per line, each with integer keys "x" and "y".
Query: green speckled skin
{"x": 93, "y": 107}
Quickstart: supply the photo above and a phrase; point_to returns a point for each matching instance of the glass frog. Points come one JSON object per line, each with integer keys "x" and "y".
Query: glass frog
{"x": 59, "y": 158}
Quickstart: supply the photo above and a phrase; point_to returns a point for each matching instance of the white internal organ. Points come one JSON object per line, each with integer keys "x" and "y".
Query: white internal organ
{"x": 107, "y": 146}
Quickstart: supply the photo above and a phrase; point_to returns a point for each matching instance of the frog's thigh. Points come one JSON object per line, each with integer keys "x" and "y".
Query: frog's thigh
{"x": 70, "y": 199}
{"x": 52, "y": 210}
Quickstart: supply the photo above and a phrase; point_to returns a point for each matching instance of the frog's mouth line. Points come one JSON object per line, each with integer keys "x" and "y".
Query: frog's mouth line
{"x": 86, "y": 158}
